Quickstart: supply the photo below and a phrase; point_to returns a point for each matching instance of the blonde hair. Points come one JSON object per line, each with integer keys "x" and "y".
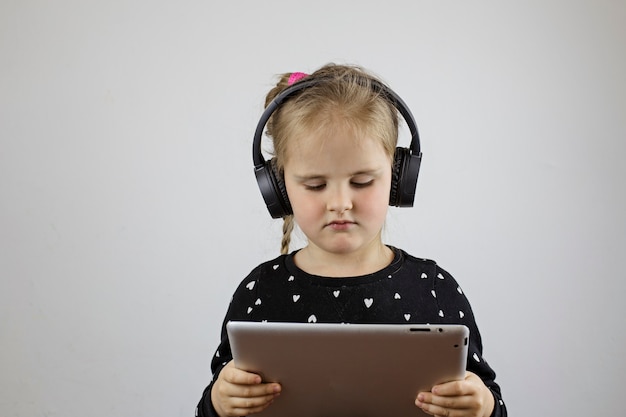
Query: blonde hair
{"x": 345, "y": 95}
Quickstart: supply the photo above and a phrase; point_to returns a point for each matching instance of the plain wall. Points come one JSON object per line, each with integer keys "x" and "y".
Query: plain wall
{"x": 129, "y": 210}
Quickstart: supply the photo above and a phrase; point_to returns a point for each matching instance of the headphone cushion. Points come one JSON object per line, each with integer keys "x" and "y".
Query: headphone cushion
{"x": 404, "y": 175}
{"x": 396, "y": 176}
{"x": 279, "y": 183}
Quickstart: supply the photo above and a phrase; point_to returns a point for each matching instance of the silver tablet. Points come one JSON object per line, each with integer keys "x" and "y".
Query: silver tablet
{"x": 349, "y": 370}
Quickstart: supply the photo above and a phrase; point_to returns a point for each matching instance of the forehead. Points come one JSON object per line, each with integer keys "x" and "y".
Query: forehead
{"x": 336, "y": 149}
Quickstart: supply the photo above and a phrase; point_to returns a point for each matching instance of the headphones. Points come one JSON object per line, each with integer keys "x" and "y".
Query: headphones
{"x": 405, "y": 168}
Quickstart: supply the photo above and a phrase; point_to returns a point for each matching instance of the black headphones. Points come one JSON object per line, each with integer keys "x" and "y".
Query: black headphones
{"x": 406, "y": 163}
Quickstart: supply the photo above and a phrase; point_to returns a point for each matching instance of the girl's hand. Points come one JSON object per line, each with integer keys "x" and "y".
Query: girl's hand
{"x": 239, "y": 393}
{"x": 467, "y": 398}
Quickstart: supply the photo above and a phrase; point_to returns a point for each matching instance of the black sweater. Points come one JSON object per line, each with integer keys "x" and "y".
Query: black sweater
{"x": 409, "y": 290}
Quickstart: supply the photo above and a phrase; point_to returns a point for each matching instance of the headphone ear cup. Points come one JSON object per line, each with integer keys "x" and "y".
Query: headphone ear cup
{"x": 404, "y": 175}
{"x": 273, "y": 189}
{"x": 282, "y": 189}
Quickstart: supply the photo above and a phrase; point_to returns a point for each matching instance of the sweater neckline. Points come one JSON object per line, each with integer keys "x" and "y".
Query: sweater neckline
{"x": 384, "y": 273}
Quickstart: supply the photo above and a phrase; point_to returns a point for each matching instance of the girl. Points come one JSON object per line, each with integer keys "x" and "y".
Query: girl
{"x": 335, "y": 160}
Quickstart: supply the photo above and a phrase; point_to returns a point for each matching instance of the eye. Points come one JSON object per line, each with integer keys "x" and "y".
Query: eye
{"x": 362, "y": 184}
{"x": 314, "y": 187}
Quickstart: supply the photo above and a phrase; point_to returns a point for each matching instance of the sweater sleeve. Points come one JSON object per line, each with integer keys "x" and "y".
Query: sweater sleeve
{"x": 240, "y": 306}
{"x": 455, "y": 308}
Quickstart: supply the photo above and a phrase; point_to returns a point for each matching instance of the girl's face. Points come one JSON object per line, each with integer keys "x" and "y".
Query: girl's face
{"x": 338, "y": 185}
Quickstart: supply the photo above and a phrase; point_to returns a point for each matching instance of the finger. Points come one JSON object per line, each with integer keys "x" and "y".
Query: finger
{"x": 450, "y": 406}
{"x": 230, "y": 390}
{"x": 254, "y": 391}
{"x": 468, "y": 386}
{"x": 438, "y": 411}
{"x": 438, "y": 405}
{"x": 237, "y": 412}
{"x": 249, "y": 403}
{"x": 242, "y": 406}
{"x": 452, "y": 389}
{"x": 428, "y": 401}
{"x": 237, "y": 376}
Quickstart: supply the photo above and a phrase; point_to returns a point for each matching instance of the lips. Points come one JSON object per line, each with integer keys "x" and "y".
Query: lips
{"x": 341, "y": 224}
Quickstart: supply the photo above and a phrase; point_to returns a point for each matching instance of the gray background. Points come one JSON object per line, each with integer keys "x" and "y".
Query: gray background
{"x": 129, "y": 211}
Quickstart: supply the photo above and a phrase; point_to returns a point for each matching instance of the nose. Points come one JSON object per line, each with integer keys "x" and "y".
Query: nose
{"x": 339, "y": 200}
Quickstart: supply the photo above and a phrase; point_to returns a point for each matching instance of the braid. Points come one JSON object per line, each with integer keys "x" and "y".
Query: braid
{"x": 287, "y": 229}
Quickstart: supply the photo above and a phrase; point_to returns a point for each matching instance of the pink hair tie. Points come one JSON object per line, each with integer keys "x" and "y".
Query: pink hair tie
{"x": 296, "y": 76}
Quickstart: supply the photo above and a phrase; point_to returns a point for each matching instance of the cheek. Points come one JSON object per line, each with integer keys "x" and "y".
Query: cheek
{"x": 302, "y": 202}
{"x": 376, "y": 201}
{"x": 382, "y": 191}
{"x": 307, "y": 212}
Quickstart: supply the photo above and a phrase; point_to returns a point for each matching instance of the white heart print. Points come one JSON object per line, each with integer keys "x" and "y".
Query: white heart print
{"x": 397, "y": 296}
{"x": 336, "y": 293}
{"x": 312, "y": 318}
{"x": 296, "y": 297}
{"x": 439, "y": 276}
{"x": 291, "y": 278}
{"x": 407, "y": 317}
{"x": 257, "y": 302}
{"x": 424, "y": 276}
{"x": 275, "y": 267}
{"x": 368, "y": 302}
{"x": 250, "y": 285}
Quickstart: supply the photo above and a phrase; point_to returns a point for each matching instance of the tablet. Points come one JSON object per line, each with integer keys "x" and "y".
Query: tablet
{"x": 349, "y": 370}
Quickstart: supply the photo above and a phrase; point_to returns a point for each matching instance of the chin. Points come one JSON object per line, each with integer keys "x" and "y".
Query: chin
{"x": 341, "y": 248}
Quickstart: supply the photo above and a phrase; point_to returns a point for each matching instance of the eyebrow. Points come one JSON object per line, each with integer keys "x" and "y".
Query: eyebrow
{"x": 372, "y": 172}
